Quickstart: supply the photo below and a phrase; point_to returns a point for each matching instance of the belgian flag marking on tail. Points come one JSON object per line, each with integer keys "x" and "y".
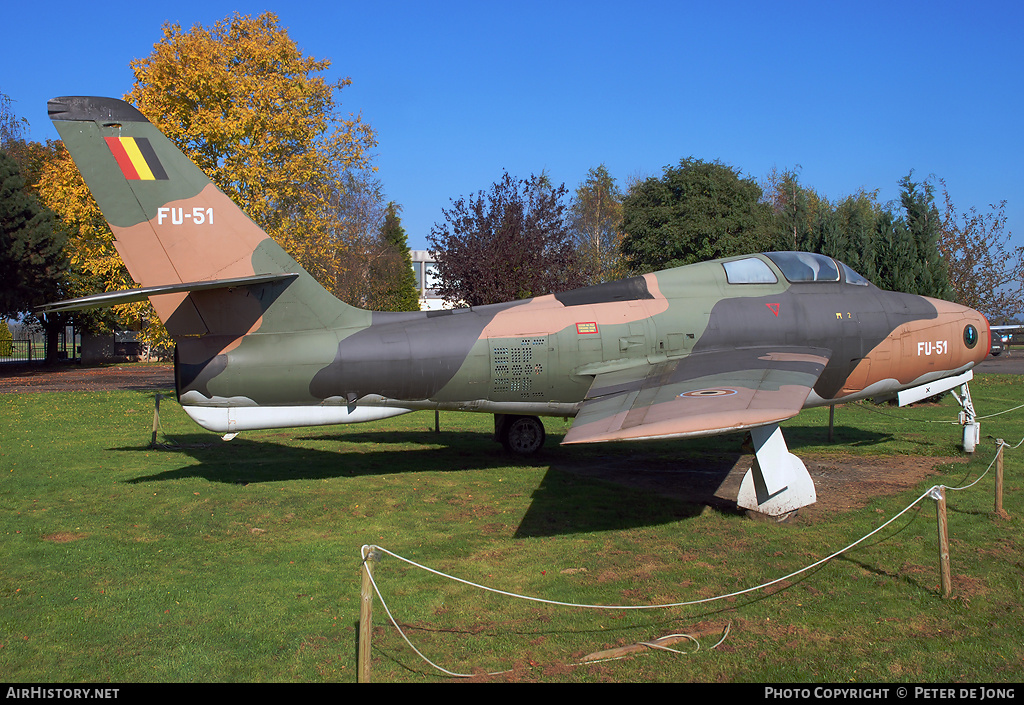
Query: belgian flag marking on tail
{"x": 137, "y": 159}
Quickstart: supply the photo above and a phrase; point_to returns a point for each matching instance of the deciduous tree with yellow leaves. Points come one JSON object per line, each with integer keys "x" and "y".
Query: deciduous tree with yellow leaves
{"x": 258, "y": 117}
{"x": 261, "y": 120}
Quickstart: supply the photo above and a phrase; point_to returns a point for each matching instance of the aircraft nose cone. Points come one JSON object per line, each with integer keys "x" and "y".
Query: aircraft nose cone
{"x": 954, "y": 340}
{"x": 968, "y": 332}
{"x": 984, "y": 343}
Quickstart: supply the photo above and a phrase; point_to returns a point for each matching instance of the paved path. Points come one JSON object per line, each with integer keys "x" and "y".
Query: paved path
{"x": 16, "y": 378}
{"x": 1011, "y": 363}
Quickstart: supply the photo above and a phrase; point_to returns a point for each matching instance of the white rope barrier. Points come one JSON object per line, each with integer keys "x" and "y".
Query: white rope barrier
{"x": 366, "y": 549}
{"x": 867, "y": 407}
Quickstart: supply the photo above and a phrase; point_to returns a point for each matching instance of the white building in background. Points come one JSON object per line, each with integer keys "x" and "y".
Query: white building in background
{"x": 425, "y": 269}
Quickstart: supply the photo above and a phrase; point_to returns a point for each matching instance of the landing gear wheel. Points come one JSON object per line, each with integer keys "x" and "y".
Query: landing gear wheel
{"x": 522, "y": 435}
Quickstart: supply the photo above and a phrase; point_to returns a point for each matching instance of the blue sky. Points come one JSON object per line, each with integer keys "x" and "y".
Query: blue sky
{"x": 855, "y": 94}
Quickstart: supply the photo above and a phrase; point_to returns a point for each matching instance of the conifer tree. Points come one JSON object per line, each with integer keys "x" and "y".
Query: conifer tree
{"x": 396, "y": 281}
{"x": 924, "y": 228}
{"x": 32, "y": 262}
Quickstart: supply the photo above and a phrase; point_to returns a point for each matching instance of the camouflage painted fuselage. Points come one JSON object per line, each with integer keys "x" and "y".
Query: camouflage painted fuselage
{"x": 688, "y": 351}
{"x": 541, "y": 356}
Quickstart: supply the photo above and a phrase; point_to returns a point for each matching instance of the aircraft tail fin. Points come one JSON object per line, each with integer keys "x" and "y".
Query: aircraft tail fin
{"x": 172, "y": 227}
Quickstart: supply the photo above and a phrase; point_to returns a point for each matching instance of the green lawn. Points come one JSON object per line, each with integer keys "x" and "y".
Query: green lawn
{"x": 203, "y": 560}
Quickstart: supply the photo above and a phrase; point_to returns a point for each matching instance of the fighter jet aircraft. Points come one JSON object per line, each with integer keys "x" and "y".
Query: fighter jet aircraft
{"x": 739, "y": 343}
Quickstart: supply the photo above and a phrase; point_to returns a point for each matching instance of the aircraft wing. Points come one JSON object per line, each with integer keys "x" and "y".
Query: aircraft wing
{"x": 702, "y": 394}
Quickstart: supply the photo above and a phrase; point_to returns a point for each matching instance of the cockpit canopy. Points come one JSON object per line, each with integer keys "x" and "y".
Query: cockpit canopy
{"x": 797, "y": 267}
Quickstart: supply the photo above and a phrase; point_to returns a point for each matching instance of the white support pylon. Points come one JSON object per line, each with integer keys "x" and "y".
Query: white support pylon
{"x": 778, "y": 482}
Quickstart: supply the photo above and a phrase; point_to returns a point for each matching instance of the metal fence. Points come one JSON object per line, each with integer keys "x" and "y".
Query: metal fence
{"x": 35, "y": 350}
{"x": 21, "y": 351}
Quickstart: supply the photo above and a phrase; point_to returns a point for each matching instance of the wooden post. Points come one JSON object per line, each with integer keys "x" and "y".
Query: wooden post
{"x": 999, "y": 478}
{"x": 366, "y": 616}
{"x": 437, "y": 421}
{"x": 940, "y": 512}
{"x": 156, "y": 420}
{"x": 831, "y": 421}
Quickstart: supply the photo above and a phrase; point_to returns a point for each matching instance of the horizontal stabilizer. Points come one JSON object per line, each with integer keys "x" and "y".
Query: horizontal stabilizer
{"x": 113, "y": 298}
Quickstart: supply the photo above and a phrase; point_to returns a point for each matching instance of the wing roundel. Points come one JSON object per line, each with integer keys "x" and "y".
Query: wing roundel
{"x": 699, "y": 395}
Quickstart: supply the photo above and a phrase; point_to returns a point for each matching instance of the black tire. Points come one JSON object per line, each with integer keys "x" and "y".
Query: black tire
{"x": 522, "y": 435}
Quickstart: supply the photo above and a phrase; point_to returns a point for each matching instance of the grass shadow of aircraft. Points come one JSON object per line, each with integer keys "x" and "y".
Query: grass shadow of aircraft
{"x": 596, "y": 488}
{"x": 563, "y": 502}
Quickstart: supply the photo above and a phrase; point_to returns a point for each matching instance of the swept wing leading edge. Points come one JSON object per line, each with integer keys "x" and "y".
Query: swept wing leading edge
{"x": 702, "y": 394}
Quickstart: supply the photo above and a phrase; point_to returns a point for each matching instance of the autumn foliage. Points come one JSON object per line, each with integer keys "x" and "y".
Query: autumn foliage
{"x": 258, "y": 117}
{"x": 986, "y": 271}
{"x": 509, "y": 243}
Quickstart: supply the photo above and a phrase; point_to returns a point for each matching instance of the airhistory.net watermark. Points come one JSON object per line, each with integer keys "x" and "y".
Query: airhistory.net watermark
{"x": 52, "y": 693}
